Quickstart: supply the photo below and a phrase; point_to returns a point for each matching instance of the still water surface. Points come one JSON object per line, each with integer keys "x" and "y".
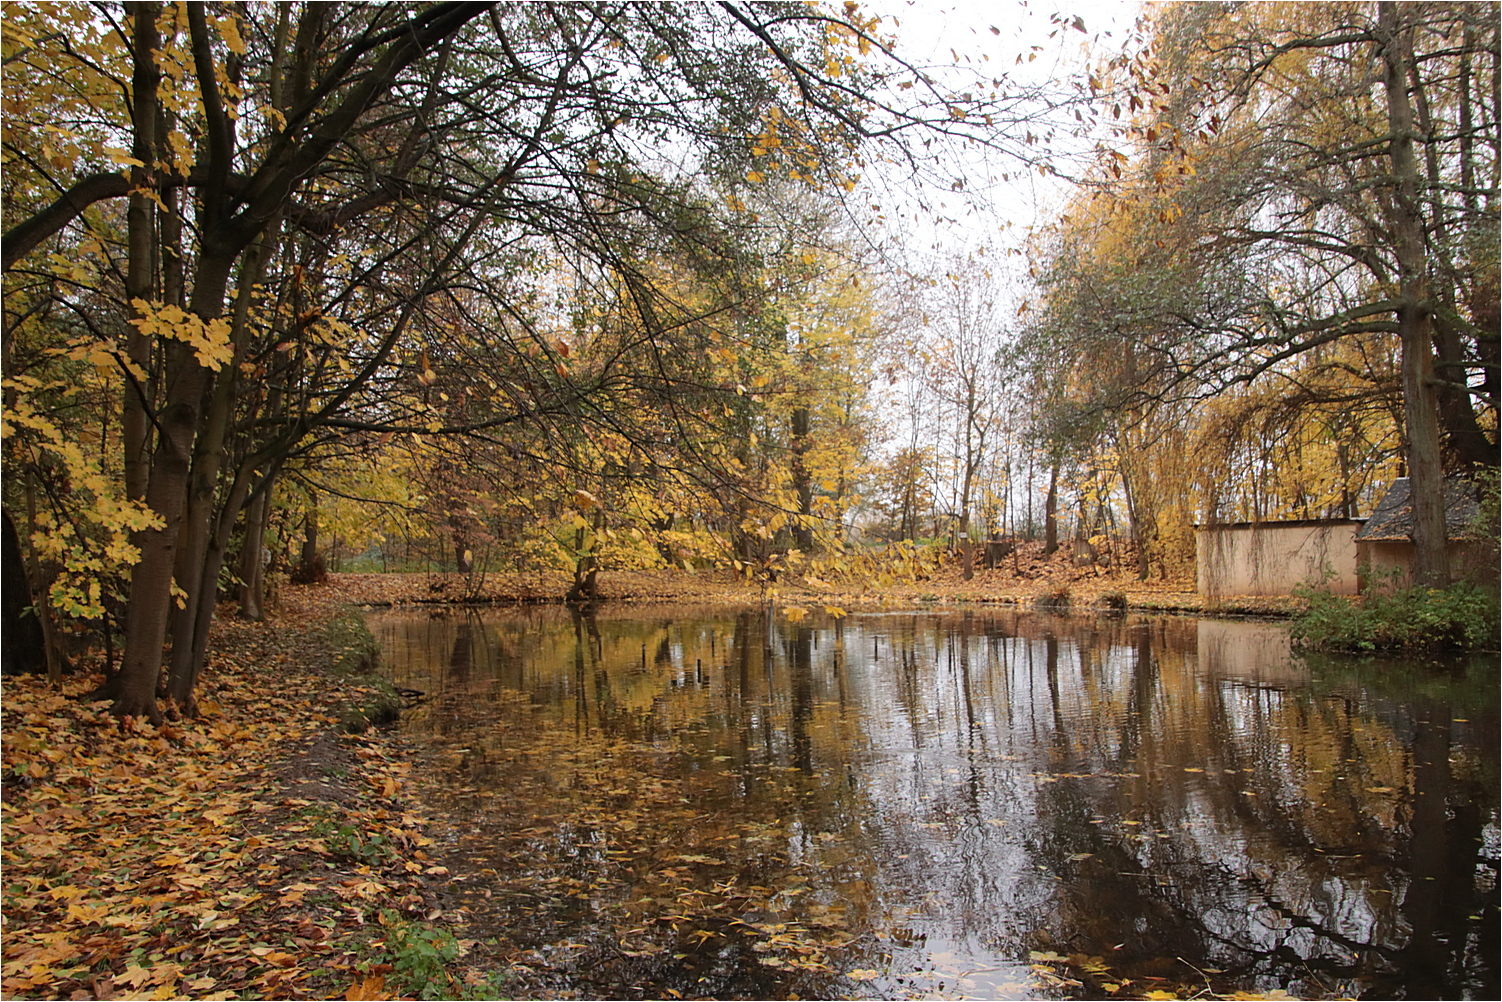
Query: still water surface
{"x": 981, "y": 804}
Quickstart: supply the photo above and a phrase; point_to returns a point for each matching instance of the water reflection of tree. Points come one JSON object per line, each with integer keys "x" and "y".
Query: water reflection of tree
{"x": 1241, "y": 866}
{"x": 1278, "y": 829}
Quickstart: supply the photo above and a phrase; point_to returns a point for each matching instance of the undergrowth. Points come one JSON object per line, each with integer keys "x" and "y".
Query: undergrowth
{"x": 418, "y": 959}
{"x": 359, "y": 653}
{"x": 1461, "y": 617}
{"x": 1054, "y": 599}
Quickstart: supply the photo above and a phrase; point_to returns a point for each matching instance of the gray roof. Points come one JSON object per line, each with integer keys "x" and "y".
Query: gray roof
{"x": 1393, "y": 518}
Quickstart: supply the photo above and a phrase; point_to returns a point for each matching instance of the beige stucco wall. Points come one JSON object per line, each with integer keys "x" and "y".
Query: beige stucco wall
{"x": 1391, "y": 561}
{"x": 1272, "y": 558}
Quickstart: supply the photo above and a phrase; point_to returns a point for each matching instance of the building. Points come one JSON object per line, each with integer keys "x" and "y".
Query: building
{"x": 1384, "y": 546}
{"x": 1273, "y": 558}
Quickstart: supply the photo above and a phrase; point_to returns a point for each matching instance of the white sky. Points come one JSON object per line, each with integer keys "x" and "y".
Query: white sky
{"x": 932, "y": 33}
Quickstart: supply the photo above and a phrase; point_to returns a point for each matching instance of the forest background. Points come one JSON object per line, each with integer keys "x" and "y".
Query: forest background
{"x": 475, "y": 287}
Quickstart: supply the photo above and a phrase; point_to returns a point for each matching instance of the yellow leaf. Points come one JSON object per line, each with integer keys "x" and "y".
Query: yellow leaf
{"x": 229, "y": 30}
{"x": 136, "y": 977}
{"x": 122, "y": 157}
{"x": 373, "y": 987}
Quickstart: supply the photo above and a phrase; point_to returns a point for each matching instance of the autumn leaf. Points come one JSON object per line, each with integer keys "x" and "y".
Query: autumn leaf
{"x": 373, "y": 987}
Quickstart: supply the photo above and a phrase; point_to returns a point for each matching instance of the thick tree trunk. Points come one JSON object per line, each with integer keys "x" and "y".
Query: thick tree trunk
{"x": 24, "y": 643}
{"x": 190, "y": 566}
{"x": 189, "y": 652}
{"x": 967, "y": 547}
{"x": 664, "y": 549}
{"x": 151, "y": 582}
{"x": 140, "y": 278}
{"x": 201, "y": 553}
{"x": 464, "y": 554}
{"x": 1465, "y": 440}
{"x": 150, "y": 599}
{"x": 586, "y": 563}
{"x": 309, "y": 554}
{"x": 1431, "y": 566}
{"x": 42, "y": 601}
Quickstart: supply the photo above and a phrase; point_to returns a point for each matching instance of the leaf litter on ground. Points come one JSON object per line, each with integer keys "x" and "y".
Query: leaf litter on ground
{"x": 248, "y": 853}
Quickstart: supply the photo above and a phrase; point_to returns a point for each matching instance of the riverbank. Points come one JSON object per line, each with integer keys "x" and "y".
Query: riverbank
{"x": 271, "y": 848}
{"x": 1053, "y": 582}
{"x": 260, "y": 851}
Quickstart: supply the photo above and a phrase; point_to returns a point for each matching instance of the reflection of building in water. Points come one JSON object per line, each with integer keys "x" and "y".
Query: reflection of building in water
{"x": 1259, "y": 653}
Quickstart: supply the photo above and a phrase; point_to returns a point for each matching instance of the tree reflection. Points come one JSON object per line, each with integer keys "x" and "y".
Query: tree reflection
{"x": 983, "y": 785}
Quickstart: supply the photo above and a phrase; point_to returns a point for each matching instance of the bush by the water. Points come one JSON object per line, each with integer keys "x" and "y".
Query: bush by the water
{"x": 1055, "y": 600}
{"x": 1462, "y": 617}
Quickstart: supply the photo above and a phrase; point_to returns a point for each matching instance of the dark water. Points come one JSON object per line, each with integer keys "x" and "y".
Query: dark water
{"x": 982, "y": 804}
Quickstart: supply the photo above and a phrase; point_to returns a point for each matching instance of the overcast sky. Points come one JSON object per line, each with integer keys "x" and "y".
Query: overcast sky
{"x": 954, "y": 39}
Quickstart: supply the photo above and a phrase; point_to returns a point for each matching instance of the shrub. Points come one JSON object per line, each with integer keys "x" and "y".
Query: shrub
{"x": 419, "y": 953}
{"x": 312, "y": 573}
{"x": 1462, "y": 616}
{"x": 1114, "y": 600}
{"x": 1055, "y": 598}
{"x": 379, "y": 707}
{"x": 345, "y": 841}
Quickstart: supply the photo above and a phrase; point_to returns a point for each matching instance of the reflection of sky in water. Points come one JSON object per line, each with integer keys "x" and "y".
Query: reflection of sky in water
{"x": 984, "y": 789}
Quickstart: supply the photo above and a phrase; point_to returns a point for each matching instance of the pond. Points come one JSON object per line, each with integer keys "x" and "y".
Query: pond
{"x": 694, "y": 802}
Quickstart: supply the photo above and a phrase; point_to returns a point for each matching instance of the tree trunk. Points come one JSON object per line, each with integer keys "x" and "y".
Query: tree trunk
{"x": 150, "y": 599}
{"x": 252, "y": 559}
{"x": 1051, "y": 512}
{"x": 803, "y": 531}
{"x": 1431, "y": 567}
{"x": 967, "y": 548}
{"x": 586, "y": 563}
{"x": 151, "y": 581}
{"x": 21, "y": 634}
{"x": 189, "y": 651}
{"x": 464, "y": 554}
{"x": 310, "y": 533}
{"x": 140, "y": 278}
{"x": 192, "y": 559}
{"x": 664, "y": 549}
